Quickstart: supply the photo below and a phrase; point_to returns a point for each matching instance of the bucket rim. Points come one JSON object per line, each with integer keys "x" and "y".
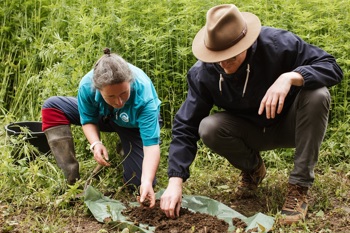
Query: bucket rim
{"x": 13, "y": 132}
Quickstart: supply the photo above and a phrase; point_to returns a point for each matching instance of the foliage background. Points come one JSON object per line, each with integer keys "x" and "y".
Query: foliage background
{"x": 46, "y": 46}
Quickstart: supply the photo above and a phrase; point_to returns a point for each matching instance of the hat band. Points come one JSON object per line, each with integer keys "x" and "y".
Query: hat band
{"x": 235, "y": 41}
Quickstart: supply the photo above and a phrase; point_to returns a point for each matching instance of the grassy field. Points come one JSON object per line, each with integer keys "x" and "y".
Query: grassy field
{"x": 46, "y": 46}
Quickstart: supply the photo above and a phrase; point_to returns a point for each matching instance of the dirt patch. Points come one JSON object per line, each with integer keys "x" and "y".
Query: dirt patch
{"x": 29, "y": 220}
{"x": 187, "y": 222}
{"x": 75, "y": 219}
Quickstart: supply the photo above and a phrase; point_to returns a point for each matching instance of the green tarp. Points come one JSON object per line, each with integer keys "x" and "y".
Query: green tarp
{"x": 105, "y": 209}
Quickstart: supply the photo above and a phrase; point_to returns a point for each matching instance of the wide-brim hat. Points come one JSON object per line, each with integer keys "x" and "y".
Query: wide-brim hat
{"x": 227, "y": 33}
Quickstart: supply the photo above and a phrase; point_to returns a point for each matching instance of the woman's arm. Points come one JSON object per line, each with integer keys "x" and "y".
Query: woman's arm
{"x": 149, "y": 169}
{"x": 92, "y": 134}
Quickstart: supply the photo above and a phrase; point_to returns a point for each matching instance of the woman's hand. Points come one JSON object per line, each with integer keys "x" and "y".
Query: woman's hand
{"x": 101, "y": 154}
{"x": 92, "y": 134}
{"x": 147, "y": 195}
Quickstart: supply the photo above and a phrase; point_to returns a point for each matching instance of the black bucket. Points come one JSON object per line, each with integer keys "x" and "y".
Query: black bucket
{"x": 35, "y": 136}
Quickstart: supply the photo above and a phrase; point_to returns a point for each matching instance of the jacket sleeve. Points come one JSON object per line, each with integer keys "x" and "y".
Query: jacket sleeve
{"x": 183, "y": 147}
{"x": 317, "y": 67}
{"x": 87, "y": 106}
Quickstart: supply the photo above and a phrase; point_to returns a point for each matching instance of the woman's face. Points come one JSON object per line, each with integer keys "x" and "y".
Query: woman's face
{"x": 232, "y": 64}
{"x": 117, "y": 94}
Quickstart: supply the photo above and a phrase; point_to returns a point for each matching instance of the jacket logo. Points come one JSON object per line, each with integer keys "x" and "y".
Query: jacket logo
{"x": 124, "y": 117}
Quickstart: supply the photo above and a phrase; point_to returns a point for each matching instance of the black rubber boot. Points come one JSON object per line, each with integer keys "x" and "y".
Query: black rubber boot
{"x": 61, "y": 143}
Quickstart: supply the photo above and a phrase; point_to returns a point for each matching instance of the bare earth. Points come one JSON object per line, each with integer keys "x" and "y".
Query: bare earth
{"x": 336, "y": 219}
{"x": 188, "y": 221}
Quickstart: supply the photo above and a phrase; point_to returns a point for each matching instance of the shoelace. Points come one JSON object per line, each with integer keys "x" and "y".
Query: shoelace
{"x": 293, "y": 198}
{"x": 246, "y": 179}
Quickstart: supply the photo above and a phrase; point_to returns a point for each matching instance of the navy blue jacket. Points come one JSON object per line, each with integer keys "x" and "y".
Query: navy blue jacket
{"x": 274, "y": 52}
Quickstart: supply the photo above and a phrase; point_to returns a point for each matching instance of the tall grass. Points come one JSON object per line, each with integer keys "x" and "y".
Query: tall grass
{"x": 47, "y": 46}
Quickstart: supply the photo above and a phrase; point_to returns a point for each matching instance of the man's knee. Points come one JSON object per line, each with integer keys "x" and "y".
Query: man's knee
{"x": 317, "y": 98}
{"x": 208, "y": 129}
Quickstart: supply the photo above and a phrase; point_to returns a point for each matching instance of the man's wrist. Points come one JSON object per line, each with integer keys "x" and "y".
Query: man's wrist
{"x": 296, "y": 79}
{"x": 176, "y": 180}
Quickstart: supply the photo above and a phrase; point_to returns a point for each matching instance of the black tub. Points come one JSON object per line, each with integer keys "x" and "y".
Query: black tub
{"x": 37, "y": 138}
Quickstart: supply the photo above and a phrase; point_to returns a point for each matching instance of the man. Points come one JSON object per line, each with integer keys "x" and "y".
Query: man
{"x": 272, "y": 89}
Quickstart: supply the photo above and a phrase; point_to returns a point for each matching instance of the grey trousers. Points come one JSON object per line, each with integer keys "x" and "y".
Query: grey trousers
{"x": 303, "y": 128}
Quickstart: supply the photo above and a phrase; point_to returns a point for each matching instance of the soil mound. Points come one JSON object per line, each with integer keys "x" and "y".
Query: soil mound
{"x": 187, "y": 222}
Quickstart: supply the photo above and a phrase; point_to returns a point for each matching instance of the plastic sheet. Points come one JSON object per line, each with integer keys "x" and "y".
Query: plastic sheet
{"x": 109, "y": 210}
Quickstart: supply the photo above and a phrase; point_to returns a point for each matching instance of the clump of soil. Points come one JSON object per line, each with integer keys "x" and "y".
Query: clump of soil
{"x": 145, "y": 203}
{"x": 187, "y": 222}
{"x": 240, "y": 225}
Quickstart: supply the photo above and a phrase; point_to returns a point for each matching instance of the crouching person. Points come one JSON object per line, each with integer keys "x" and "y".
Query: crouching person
{"x": 272, "y": 89}
{"x": 114, "y": 96}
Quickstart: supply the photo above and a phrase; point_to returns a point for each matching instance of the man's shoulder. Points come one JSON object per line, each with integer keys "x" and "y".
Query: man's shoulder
{"x": 271, "y": 32}
{"x": 200, "y": 66}
{"x": 277, "y": 37}
{"x": 268, "y": 29}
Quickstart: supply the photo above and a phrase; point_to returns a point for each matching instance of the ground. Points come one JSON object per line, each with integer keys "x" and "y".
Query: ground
{"x": 187, "y": 222}
{"x": 335, "y": 219}
{"x": 329, "y": 206}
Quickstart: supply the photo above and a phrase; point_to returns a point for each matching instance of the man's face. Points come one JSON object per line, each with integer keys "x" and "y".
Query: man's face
{"x": 232, "y": 64}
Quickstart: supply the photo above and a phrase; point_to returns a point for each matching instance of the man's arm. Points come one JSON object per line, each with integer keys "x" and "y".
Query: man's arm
{"x": 273, "y": 101}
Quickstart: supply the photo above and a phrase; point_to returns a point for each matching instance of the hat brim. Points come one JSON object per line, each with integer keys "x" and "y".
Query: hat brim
{"x": 204, "y": 54}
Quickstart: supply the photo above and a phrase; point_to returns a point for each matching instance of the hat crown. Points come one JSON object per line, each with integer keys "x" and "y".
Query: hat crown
{"x": 225, "y": 27}
{"x": 227, "y": 33}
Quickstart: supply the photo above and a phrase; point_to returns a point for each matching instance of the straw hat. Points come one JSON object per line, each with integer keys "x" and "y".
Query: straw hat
{"x": 227, "y": 33}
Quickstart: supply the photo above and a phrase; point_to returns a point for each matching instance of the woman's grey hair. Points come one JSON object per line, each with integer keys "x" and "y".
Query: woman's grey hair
{"x": 111, "y": 69}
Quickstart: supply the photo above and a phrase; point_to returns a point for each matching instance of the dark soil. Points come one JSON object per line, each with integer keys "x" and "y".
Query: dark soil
{"x": 188, "y": 222}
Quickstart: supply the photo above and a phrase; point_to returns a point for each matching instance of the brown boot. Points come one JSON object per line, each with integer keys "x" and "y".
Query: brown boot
{"x": 62, "y": 147}
{"x": 250, "y": 180}
{"x": 295, "y": 205}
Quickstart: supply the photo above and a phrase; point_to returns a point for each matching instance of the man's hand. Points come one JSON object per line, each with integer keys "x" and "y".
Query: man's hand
{"x": 170, "y": 202}
{"x": 273, "y": 100}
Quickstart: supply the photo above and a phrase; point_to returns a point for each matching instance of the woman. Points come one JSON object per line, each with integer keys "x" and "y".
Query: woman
{"x": 113, "y": 97}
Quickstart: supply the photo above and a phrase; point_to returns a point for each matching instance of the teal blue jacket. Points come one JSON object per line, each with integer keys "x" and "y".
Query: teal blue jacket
{"x": 140, "y": 111}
